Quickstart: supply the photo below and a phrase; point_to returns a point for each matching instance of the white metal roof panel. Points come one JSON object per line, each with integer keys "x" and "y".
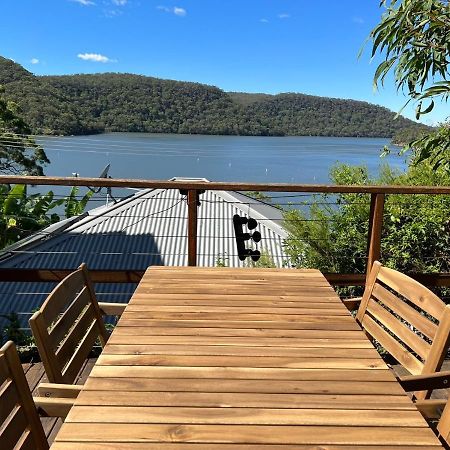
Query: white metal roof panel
{"x": 148, "y": 228}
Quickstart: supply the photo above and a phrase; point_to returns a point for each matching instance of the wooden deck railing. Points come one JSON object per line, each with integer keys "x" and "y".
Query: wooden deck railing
{"x": 193, "y": 188}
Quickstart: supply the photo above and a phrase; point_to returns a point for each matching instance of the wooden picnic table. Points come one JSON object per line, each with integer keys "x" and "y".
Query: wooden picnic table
{"x": 223, "y": 358}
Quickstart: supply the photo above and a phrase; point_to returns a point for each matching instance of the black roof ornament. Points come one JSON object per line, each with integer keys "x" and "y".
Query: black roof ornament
{"x": 241, "y": 237}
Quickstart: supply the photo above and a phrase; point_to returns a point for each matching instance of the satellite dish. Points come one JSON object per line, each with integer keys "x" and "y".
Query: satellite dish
{"x": 104, "y": 173}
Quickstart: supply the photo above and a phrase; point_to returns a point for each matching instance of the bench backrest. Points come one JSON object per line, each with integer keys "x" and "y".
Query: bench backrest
{"x": 443, "y": 426}
{"x": 20, "y": 426}
{"x": 67, "y": 325}
{"x": 407, "y": 319}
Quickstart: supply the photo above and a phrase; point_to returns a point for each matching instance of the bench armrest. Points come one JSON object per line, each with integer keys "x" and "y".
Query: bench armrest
{"x": 54, "y": 390}
{"x": 112, "y": 309}
{"x": 426, "y": 382}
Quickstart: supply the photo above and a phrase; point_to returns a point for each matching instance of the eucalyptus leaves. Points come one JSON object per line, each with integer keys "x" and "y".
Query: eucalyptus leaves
{"x": 414, "y": 37}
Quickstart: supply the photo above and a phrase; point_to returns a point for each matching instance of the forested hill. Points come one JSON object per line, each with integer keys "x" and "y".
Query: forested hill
{"x": 83, "y": 104}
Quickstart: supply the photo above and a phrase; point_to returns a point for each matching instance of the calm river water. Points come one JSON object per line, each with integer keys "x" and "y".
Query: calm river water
{"x": 218, "y": 158}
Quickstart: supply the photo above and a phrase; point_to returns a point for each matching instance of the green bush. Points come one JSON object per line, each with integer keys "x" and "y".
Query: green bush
{"x": 330, "y": 232}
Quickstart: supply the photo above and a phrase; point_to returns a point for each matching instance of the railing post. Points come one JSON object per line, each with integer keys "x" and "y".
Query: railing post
{"x": 192, "y": 199}
{"x": 375, "y": 228}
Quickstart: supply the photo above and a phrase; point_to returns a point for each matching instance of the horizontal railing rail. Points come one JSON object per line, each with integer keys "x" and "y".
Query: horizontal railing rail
{"x": 193, "y": 188}
{"x": 134, "y": 276}
{"x": 221, "y": 185}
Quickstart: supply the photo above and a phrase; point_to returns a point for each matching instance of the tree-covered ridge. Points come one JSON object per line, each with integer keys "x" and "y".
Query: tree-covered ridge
{"x": 11, "y": 71}
{"x": 299, "y": 114}
{"x": 126, "y": 102}
{"x": 83, "y": 104}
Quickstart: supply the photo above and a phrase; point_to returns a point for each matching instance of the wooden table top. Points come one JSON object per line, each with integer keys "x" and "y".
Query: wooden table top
{"x": 221, "y": 358}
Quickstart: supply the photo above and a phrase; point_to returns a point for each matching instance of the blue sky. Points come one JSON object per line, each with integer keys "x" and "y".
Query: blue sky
{"x": 267, "y": 46}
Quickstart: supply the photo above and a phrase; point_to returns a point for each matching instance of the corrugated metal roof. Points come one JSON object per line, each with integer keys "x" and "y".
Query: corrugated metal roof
{"x": 148, "y": 228}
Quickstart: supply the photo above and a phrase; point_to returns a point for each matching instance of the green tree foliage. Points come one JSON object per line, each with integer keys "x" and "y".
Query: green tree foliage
{"x": 84, "y": 104}
{"x": 23, "y": 214}
{"x": 19, "y": 154}
{"x": 13, "y": 331}
{"x": 330, "y": 233}
{"x": 261, "y": 196}
{"x": 73, "y": 205}
{"x": 406, "y": 135}
{"x": 414, "y": 37}
{"x": 433, "y": 147}
{"x": 264, "y": 262}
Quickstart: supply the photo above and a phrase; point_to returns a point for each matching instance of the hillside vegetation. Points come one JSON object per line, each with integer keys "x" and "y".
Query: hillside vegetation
{"x": 85, "y": 104}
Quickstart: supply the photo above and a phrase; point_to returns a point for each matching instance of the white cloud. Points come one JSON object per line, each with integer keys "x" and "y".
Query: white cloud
{"x": 95, "y": 57}
{"x": 263, "y": 20}
{"x": 120, "y": 2}
{"x": 284, "y": 16}
{"x": 179, "y": 11}
{"x": 34, "y": 61}
{"x": 175, "y": 10}
{"x": 84, "y": 2}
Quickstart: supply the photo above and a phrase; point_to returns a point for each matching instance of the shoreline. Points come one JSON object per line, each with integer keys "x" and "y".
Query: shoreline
{"x": 104, "y": 133}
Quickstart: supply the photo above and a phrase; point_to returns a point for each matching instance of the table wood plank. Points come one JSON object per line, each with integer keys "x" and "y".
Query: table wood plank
{"x": 187, "y": 446}
{"x": 245, "y": 434}
{"x": 98, "y": 397}
{"x": 134, "y": 351}
{"x": 251, "y": 301}
{"x": 250, "y": 416}
{"x": 135, "y": 379}
{"x": 142, "y": 361}
{"x": 278, "y": 342}
{"x": 335, "y": 310}
{"x": 236, "y": 291}
{"x": 318, "y": 316}
{"x": 253, "y": 373}
{"x": 329, "y": 299}
{"x": 306, "y": 323}
{"x": 334, "y": 338}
